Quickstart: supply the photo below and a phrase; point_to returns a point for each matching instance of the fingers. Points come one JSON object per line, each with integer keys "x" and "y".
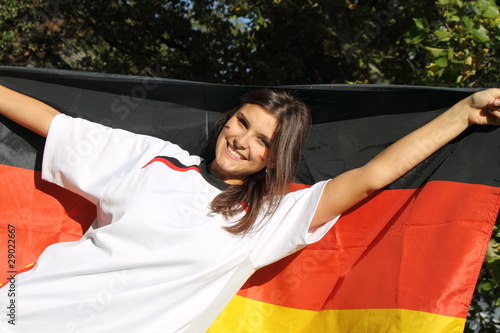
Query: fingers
{"x": 495, "y": 113}
{"x": 494, "y": 110}
{"x": 495, "y": 104}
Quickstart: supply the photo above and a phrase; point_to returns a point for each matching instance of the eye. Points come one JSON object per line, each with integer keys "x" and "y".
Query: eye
{"x": 264, "y": 142}
{"x": 242, "y": 121}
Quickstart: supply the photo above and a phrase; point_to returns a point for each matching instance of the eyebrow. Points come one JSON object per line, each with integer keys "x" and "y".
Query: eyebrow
{"x": 246, "y": 120}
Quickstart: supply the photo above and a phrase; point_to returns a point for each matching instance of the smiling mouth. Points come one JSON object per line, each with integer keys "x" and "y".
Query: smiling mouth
{"x": 235, "y": 153}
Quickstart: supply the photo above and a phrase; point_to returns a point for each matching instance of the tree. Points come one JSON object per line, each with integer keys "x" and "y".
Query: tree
{"x": 483, "y": 312}
{"x": 462, "y": 47}
{"x": 449, "y": 42}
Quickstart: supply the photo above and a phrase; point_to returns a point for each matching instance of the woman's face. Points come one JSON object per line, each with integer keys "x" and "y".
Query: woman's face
{"x": 241, "y": 148}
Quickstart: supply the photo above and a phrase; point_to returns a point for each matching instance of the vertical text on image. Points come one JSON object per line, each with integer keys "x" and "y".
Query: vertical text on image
{"x": 11, "y": 273}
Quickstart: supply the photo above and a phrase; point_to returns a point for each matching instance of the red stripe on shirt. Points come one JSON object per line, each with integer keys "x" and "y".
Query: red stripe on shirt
{"x": 169, "y": 162}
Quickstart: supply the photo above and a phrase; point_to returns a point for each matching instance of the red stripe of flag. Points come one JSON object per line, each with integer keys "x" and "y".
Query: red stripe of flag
{"x": 365, "y": 264}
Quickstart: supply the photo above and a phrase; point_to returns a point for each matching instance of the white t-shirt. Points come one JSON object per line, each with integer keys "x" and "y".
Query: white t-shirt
{"x": 157, "y": 260}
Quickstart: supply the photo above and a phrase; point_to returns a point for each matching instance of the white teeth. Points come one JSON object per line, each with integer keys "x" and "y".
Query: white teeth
{"x": 235, "y": 153}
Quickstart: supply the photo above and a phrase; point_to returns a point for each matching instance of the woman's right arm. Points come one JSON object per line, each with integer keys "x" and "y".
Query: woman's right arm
{"x": 26, "y": 111}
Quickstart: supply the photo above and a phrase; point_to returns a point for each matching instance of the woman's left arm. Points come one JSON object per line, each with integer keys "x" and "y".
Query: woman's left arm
{"x": 349, "y": 188}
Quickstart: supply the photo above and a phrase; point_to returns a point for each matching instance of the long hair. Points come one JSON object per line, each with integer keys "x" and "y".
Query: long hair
{"x": 266, "y": 187}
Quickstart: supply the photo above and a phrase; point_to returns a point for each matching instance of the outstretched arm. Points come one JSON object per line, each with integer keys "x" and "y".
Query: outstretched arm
{"x": 349, "y": 188}
{"x": 26, "y": 111}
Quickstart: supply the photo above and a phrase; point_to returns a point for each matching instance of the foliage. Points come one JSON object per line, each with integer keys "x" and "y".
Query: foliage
{"x": 483, "y": 313}
{"x": 449, "y": 42}
{"x": 265, "y": 42}
{"x": 462, "y": 46}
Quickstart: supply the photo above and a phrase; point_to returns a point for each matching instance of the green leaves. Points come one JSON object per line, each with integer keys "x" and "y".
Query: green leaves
{"x": 476, "y": 30}
{"x": 447, "y": 42}
{"x": 486, "y": 299}
{"x": 486, "y": 9}
{"x": 461, "y": 44}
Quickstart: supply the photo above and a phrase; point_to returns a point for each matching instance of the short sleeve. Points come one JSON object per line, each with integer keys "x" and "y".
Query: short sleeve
{"x": 287, "y": 231}
{"x": 84, "y": 157}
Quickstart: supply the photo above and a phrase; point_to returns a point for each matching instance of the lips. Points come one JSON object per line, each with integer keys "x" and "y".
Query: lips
{"x": 233, "y": 153}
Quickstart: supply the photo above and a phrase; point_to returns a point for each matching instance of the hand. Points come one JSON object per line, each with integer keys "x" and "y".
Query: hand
{"x": 485, "y": 105}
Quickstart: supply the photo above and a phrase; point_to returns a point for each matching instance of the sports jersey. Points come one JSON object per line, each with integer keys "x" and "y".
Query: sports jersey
{"x": 157, "y": 259}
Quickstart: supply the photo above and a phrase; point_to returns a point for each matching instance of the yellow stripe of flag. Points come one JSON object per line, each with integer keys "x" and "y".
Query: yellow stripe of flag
{"x": 245, "y": 315}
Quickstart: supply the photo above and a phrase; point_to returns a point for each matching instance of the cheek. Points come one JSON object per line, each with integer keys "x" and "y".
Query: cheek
{"x": 220, "y": 138}
{"x": 225, "y": 132}
{"x": 229, "y": 128}
{"x": 260, "y": 154}
{"x": 220, "y": 144}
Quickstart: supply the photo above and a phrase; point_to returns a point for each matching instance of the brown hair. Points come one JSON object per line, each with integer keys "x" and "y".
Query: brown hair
{"x": 268, "y": 185}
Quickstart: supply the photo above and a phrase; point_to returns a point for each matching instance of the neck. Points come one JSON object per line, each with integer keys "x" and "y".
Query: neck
{"x": 219, "y": 173}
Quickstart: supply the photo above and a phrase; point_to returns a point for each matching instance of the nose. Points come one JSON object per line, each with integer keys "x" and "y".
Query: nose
{"x": 241, "y": 142}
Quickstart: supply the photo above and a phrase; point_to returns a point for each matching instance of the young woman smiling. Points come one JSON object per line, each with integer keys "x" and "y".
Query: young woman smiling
{"x": 178, "y": 234}
{"x": 242, "y": 144}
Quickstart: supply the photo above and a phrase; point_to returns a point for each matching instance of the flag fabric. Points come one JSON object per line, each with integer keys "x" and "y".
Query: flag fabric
{"x": 404, "y": 260}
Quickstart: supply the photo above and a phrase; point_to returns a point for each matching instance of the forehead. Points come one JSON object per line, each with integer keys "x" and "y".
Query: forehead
{"x": 259, "y": 119}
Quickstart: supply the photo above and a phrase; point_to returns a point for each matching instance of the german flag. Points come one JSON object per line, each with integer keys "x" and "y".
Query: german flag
{"x": 404, "y": 260}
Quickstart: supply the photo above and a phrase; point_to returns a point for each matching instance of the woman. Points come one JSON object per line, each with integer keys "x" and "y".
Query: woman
{"x": 176, "y": 236}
